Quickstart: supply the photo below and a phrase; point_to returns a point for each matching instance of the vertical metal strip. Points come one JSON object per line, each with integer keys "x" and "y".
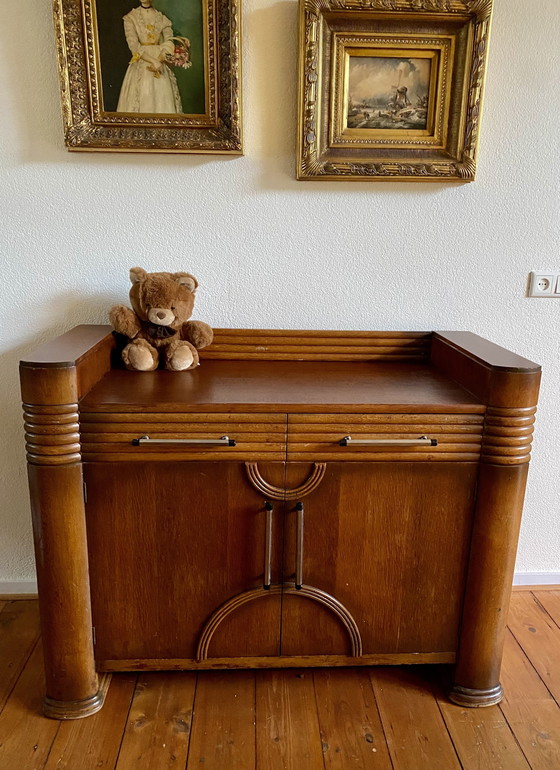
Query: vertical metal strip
{"x": 299, "y": 545}
{"x": 269, "y": 508}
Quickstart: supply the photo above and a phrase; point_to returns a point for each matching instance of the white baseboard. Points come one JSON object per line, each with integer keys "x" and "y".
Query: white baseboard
{"x": 17, "y": 589}
{"x": 519, "y": 579}
{"x": 536, "y": 579}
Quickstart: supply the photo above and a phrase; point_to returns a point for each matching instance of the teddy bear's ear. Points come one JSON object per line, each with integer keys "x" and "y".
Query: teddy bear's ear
{"x": 137, "y": 274}
{"x": 186, "y": 279}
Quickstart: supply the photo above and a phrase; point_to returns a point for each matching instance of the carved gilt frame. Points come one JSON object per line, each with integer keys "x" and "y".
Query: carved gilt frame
{"x": 452, "y": 34}
{"x": 87, "y": 127}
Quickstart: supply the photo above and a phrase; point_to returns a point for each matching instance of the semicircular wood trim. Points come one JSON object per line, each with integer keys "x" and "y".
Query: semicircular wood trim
{"x": 279, "y": 493}
{"x": 308, "y": 592}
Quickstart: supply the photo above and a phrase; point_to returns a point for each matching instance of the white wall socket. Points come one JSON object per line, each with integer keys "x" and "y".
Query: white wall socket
{"x": 544, "y": 285}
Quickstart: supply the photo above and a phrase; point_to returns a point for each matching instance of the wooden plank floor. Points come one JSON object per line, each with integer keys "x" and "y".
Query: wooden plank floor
{"x": 323, "y": 719}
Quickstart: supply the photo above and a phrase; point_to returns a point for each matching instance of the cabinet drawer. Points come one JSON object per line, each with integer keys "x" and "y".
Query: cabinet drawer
{"x": 215, "y": 436}
{"x": 384, "y": 437}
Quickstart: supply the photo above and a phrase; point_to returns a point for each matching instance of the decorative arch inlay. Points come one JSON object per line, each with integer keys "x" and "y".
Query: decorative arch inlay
{"x": 279, "y": 493}
{"x": 52, "y": 434}
{"x": 508, "y": 434}
{"x": 308, "y": 592}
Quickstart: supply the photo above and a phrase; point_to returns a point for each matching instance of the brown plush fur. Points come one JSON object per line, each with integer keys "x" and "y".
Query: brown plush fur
{"x": 158, "y": 326}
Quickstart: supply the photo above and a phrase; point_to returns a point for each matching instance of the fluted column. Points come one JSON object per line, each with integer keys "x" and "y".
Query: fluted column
{"x": 505, "y": 457}
{"x": 53, "y": 380}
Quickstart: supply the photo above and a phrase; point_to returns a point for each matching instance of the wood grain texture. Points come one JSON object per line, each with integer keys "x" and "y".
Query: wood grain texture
{"x": 65, "y": 369}
{"x": 283, "y": 386}
{"x": 19, "y": 631}
{"x": 278, "y": 345}
{"x": 180, "y": 523}
{"x": 52, "y": 434}
{"x": 388, "y": 541}
{"x": 403, "y": 599}
{"x": 94, "y": 742}
{"x": 284, "y": 661}
{"x": 536, "y": 588}
{"x": 335, "y": 718}
{"x": 414, "y": 728}
{"x": 72, "y": 347}
{"x": 158, "y": 729}
{"x": 550, "y": 601}
{"x": 26, "y": 736}
{"x": 531, "y": 712}
{"x": 508, "y": 435}
{"x": 539, "y": 637}
{"x": 351, "y": 732}
{"x": 495, "y": 375}
{"x": 223, "y": 726}
{"x": 108, "y": 438}
{"x": 57, "y": 508}
{"x": 482, "y": 737}
{"x": 288, "y": 731}
{"x": 316, "y": 437}
{"x": 493, "y": 547}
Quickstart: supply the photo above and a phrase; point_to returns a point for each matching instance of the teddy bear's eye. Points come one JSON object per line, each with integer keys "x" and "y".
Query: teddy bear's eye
{"x": 172, "y": 308}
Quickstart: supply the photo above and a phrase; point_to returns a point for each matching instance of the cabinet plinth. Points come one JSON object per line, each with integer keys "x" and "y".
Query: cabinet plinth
{"x": 301, "y": 498}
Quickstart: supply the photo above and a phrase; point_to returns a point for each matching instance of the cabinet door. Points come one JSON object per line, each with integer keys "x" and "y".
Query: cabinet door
{"x": 389, "y": 541}
{"x": 169, "y": 543}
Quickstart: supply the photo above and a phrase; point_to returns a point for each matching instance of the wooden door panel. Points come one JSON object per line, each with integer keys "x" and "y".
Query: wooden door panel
{"x": 169, "y": 543}
{"x": 389, "y": 541}
{"x": 313, "y": 625}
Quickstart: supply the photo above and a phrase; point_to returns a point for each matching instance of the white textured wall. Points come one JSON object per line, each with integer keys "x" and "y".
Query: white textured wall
{"x": 272, "y": 252}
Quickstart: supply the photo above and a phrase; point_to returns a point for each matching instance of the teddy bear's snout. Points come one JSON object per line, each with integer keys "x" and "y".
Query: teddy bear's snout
{"x": 161, "y": 316}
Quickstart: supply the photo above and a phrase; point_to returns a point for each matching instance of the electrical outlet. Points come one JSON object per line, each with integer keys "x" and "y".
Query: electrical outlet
{"x": 544, "y": 285}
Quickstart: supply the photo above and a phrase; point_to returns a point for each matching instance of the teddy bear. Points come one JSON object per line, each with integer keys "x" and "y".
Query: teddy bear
{"x": 158, "y": 326}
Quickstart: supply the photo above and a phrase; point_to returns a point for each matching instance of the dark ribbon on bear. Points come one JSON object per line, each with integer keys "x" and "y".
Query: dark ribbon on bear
{"x": 160, "y": 332}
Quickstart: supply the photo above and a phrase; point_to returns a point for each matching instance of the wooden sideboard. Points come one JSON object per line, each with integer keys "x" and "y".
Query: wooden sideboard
{"x": 300, "y": 499}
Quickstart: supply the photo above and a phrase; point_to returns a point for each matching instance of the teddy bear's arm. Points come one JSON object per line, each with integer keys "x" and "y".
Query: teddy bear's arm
{"x": 124, "y": 321}
{"x": 198, "y": 333}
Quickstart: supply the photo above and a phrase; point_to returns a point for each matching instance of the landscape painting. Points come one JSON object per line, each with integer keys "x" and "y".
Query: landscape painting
{"x": 386, "y": 92}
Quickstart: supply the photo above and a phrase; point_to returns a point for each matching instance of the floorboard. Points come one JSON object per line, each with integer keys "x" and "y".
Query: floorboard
{"x": 531, "y": 711}
{"x": 223, "y": 726}
{"x": 158, "y": 730}
{"x": 19, "y": 632}
{"x": 351, "y": 731}
{"x": 313, "y": 719}
{"x": 482, "y": 737}
{"x": 26, "y": 736}
{"x": 288, "y": 733}
{"x": 416, "y": 733}
{"x": 87, "y": 744}
{"x": 539, "y": 637}
{"x": 550, "y": 601}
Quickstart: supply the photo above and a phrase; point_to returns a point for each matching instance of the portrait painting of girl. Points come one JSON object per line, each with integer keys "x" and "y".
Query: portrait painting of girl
{"x": 152, "y": 58}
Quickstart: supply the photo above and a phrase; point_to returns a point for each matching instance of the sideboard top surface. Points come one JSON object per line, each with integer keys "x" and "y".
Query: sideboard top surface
{"x": 283, "y": 385}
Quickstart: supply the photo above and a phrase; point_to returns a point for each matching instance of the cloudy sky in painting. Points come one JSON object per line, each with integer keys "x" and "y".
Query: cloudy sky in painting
{"x": 373, "y": 77}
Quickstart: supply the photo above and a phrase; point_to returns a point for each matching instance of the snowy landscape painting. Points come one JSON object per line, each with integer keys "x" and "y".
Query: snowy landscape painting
{"x": 388, "y": 92}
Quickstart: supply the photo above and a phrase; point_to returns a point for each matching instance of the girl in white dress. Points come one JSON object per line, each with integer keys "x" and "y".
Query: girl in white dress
{"x": 149, "y": 84}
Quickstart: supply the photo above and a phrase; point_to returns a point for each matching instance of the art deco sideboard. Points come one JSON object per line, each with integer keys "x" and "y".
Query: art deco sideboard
{"x": 300, "y": 499}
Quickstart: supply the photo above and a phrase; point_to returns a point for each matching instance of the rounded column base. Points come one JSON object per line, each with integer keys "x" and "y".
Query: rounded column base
{"x": 469, "y": 698}
{"x": 77, "y": 709}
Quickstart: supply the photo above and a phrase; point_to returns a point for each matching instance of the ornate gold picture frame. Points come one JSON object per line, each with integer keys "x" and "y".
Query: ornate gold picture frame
{"x": 391, "y": 89}
{"x": 150, "y": 75}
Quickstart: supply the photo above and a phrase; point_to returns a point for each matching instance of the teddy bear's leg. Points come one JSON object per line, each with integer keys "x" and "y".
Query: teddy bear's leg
{"x": 140, "y": 356}
{"x": 180, "y": 355}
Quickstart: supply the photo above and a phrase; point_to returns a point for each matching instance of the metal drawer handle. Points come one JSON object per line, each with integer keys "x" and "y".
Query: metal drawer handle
{"x": 299, "y": 547}
{"x": 421, "y": 441}
{"x": 223, "y": 441}
{"x": 269, "y": 508}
